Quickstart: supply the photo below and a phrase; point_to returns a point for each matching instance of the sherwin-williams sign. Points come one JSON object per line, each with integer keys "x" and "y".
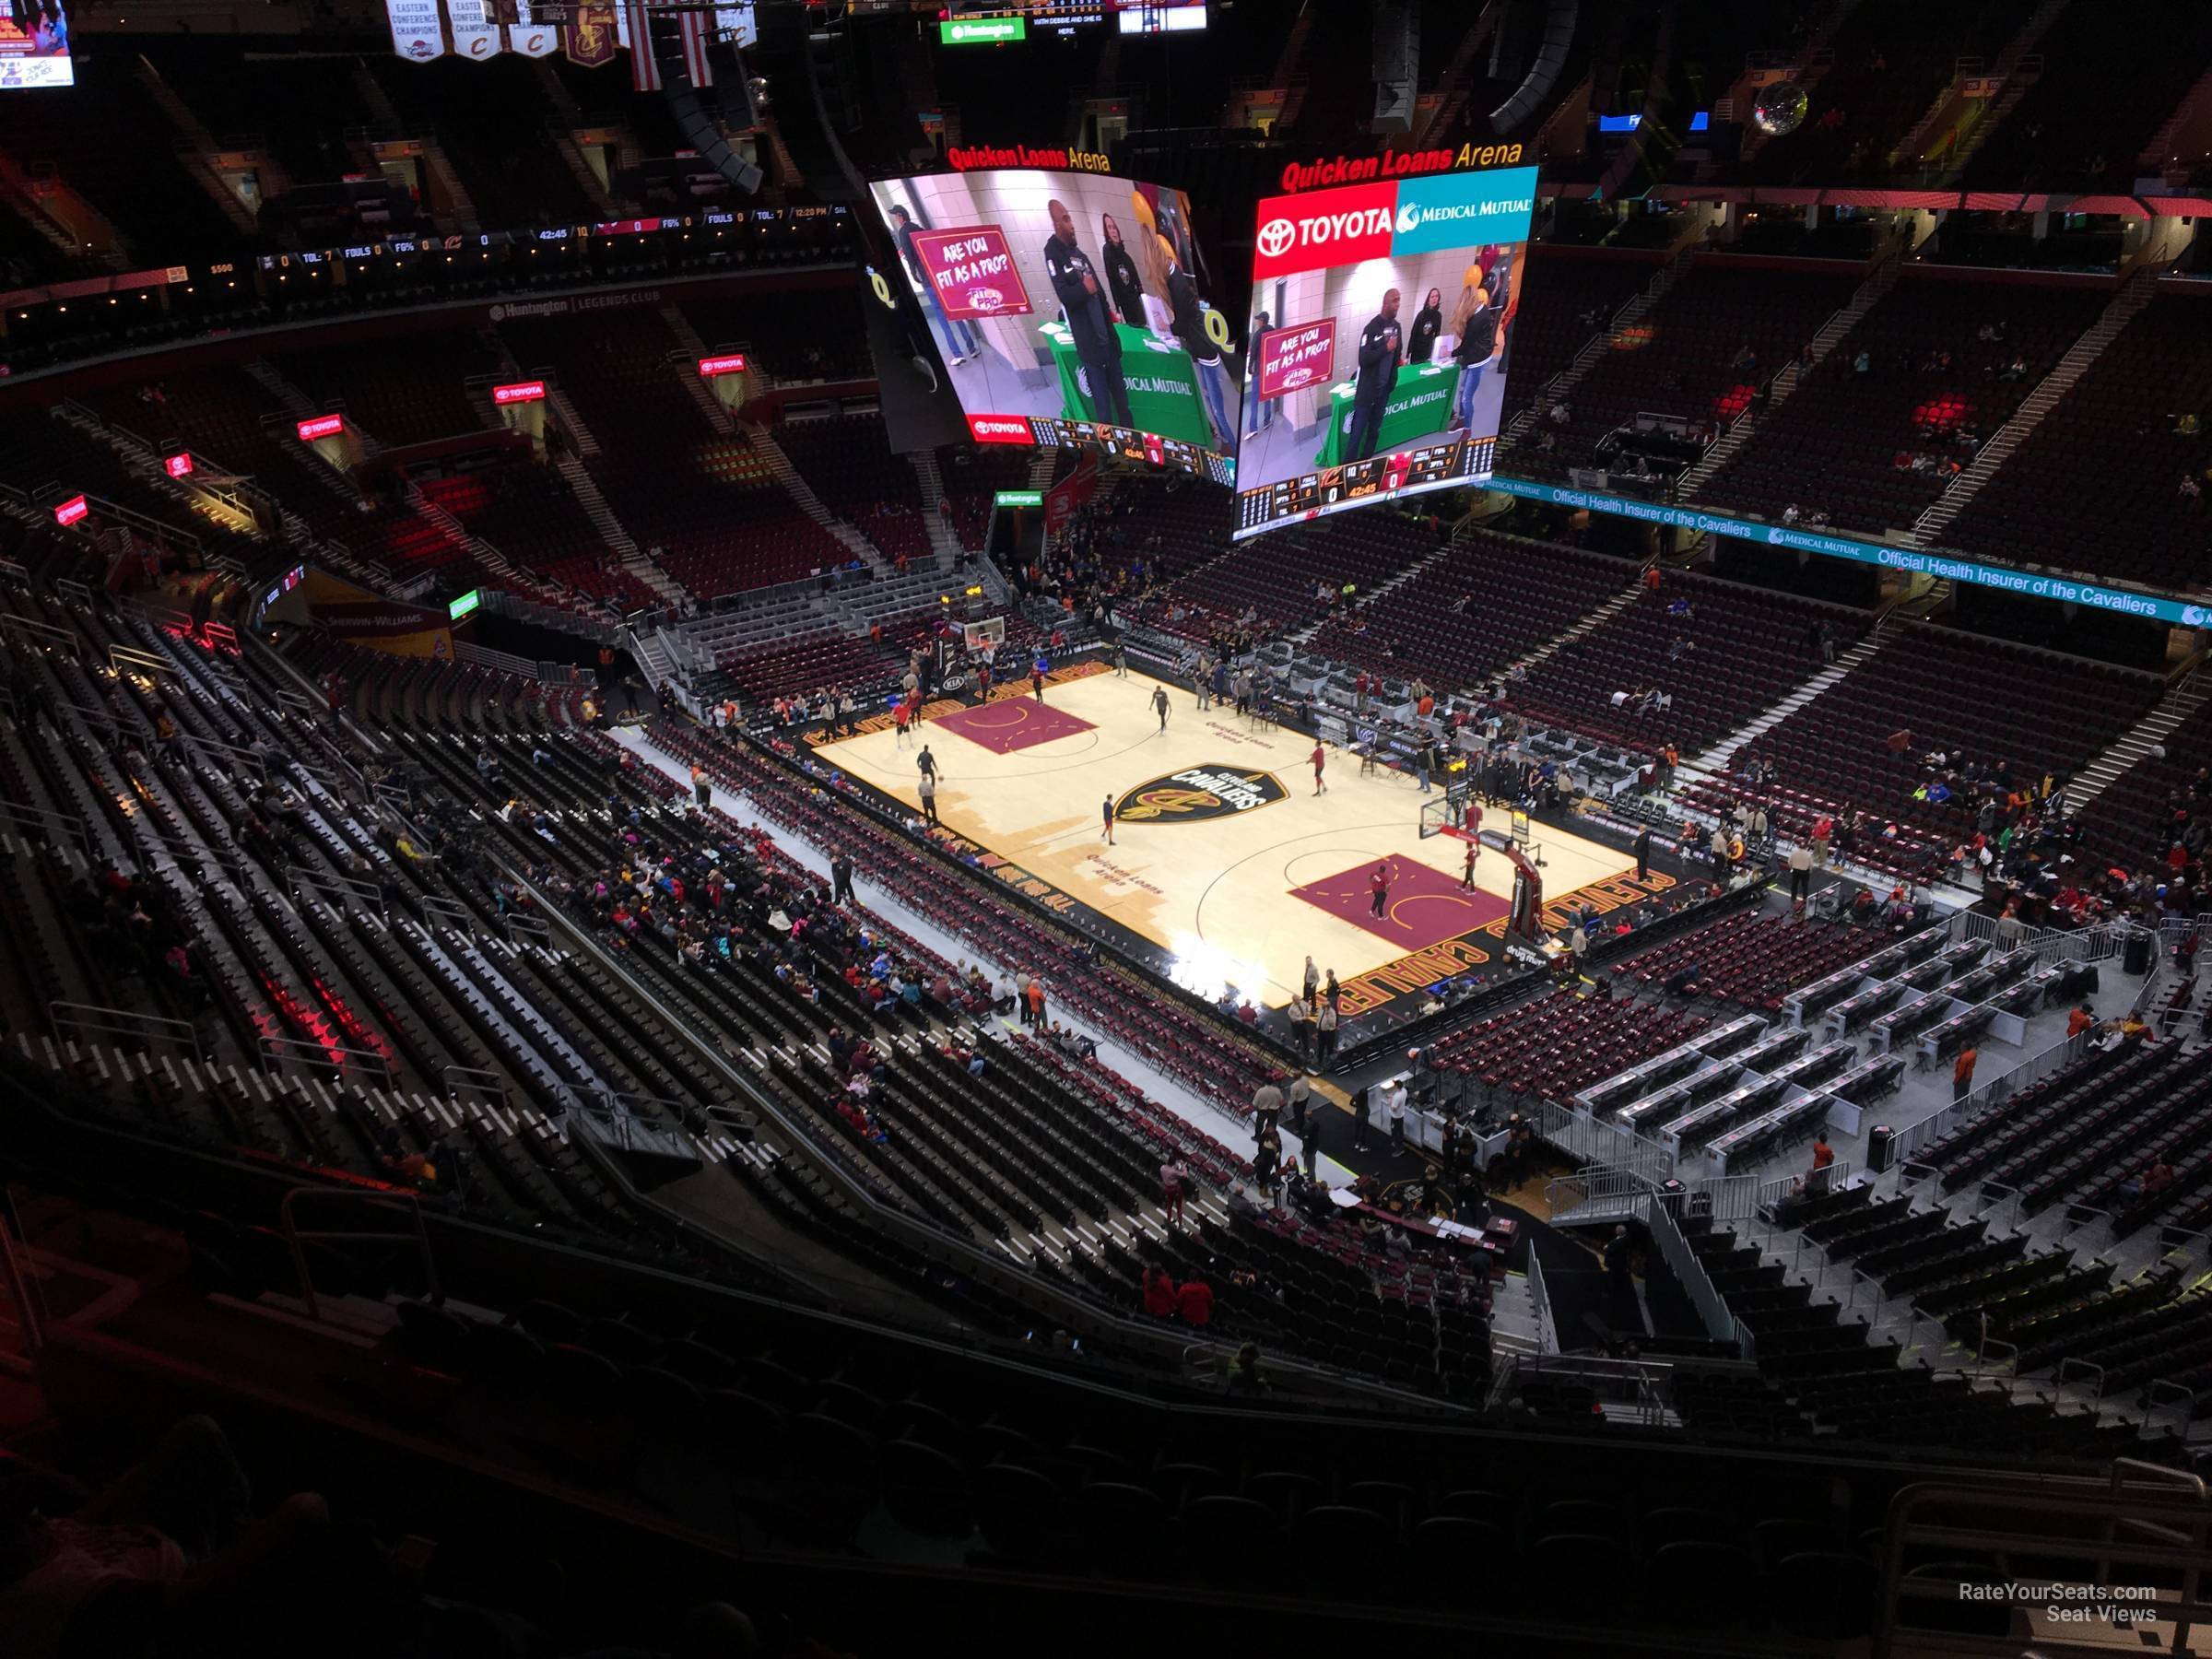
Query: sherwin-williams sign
{"x": 1944, "y": 567}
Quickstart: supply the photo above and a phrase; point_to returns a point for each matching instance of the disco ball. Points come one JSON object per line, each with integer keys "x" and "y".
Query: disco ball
{"x": 1781, "y": 108}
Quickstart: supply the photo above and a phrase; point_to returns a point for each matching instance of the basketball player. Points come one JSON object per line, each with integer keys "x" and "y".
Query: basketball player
{"x": 1472, "y": 820}
{"x": 902, "y": 716}
{"x": 1106, "y": 812}
{"x": 1379, "y": 889}
{"x": 1467, "y": 878}
{"x": 1160, "y": 704}
{"x": 1321, "y": 760}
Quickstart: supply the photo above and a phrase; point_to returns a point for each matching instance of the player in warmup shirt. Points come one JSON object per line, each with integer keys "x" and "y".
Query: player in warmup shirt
{"x": 1466, "y": 876}
{"x": 1106, "y": 812}
{"x": 1320, "y": 761}
{"x": 1160, "y": 703}
{"x": 903, "y": 716}
{"x": 1036, "y": 673}
{"x": 1379, "y": 888}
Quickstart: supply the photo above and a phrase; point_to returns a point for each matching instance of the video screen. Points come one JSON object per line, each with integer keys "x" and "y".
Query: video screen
{"x": 34, "y": 46}
{"x": 1070, "y": 311}
{"x": 1375, "y": 360}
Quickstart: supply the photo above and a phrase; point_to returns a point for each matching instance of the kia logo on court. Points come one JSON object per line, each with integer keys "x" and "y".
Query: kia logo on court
{"x": 1199, "y": 793}
{"x": 1276, "y": 236}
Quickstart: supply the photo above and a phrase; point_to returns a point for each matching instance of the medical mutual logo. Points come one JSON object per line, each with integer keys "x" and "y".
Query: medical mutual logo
{"x": 1464, "y": 210}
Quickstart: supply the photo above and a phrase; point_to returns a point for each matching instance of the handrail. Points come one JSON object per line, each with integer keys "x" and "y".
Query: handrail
{"x": 1952, "y": 1534}
{"x": 282, "y": 1050}
{"x": 1658, "y": 1214}
{"x": 1981, "y": 1346}
{"x": 474, "y": 1079}
{"x": 931, "y": 1240}
{"x": 24, "y": 814}
{"x": 126, "y": 1022}
{"x": 2072, "y": 1364}
{"x": 293, "y": 1237}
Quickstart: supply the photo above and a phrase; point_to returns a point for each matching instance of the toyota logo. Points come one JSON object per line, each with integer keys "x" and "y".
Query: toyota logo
{"x": 1276, "y": 236}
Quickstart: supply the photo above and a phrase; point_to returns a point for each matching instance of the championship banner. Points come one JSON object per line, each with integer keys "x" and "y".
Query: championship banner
{"x": 417, "y": 31}
{"x": 1291, "y": 358}
{"x": 528, "y": 37}
{"x": 475, "y": 36}
{"x": 588, "y": 37}
{"x": 973, "y": 272}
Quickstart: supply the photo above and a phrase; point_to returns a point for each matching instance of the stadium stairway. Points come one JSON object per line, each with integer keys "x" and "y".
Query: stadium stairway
{"x": 1714, "y": 760}
{"x": 1952, "y": 106}
{"x": 2138, "y": 746}
{"x": 2011, "y": 71}
{"x": 713, "y": 407}
{"x": 205, "y": 144}
{"x": 1870, "y": 293}
{"x": 1589, "y": 624}
{"x": 1561, "y": 384}
{"x": 798, "y": 489}
{"x": 458, "y": 204}
{"x": 2135, "y": 293}
{"x": 944, "y": 540}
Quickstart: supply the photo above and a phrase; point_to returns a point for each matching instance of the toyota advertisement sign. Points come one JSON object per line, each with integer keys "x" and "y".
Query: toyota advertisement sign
{"x": 1383, "y": 311}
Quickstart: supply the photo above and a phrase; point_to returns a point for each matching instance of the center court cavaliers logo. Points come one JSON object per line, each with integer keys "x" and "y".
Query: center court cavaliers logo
{"x": 1197, "y": 793}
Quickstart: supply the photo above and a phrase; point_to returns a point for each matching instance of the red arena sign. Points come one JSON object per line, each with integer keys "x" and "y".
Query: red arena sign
{"x": 1393, "y": 164}
{"x": 70, "y": 510}
{"x": 519, "y": 392}
{"x": 178, "y": 466}
{"x": 321, "y": 426}
{"x": 999, "y": 428}
{"x": 1291, "y": 358}
{"x": 709, "y": 367}
{"x": 971, "y": 158}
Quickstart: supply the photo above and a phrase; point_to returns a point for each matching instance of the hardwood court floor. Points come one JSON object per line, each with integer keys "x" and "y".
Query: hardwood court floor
{"x": 1209, "y": 864}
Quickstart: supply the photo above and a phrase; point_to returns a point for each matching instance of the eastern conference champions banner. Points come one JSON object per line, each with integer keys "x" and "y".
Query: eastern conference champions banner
{"x": 591, "y": 33}
{"x": 1380, "y": 318}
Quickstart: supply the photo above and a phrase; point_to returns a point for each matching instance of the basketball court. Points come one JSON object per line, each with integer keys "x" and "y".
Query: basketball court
{"x": 1223, "y": 856}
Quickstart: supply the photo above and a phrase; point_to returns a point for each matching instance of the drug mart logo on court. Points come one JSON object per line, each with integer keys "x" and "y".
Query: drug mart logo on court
{"x": 1198, "y": 792}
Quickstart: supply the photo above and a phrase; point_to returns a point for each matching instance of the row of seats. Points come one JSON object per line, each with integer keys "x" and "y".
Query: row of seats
{"x": 1844, "y": 441}
{"x": 1719, "y": 651}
